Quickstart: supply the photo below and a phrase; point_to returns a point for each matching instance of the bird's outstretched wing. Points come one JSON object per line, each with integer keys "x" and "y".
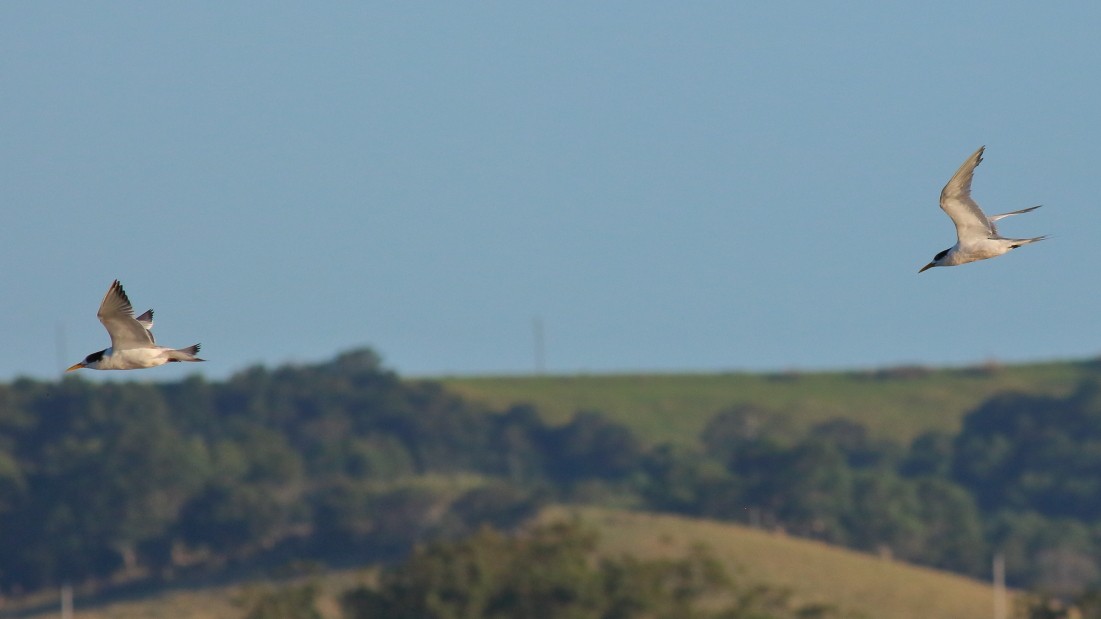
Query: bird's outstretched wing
{"x": 955, "y": 199}
{"x": 117, "y": 316}
{"x": 146, "y": 320}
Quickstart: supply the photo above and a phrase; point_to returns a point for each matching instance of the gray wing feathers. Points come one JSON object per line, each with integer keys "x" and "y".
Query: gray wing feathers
{"x": 1024, "y": 210}
{"x": 117, "y": 316}
{"x": 955, "y": 200}
{"x": 146, "y": 321}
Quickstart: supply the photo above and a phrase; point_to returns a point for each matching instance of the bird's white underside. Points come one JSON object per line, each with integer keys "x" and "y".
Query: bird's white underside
{"x": 133, "y": 358}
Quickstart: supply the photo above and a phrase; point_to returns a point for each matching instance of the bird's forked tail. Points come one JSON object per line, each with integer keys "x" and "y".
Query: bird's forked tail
{"x": 185, "y": 354}
{"x": 1018, "y": 242}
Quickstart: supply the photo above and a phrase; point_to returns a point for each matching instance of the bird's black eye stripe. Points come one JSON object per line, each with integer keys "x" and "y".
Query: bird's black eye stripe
{"x": 92, "y": 358}
{"x": 940, "y": 255}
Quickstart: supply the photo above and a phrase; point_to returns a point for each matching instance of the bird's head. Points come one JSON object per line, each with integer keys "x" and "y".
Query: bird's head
{"x": 936, "y": 261}
{"x": 91, "y": 361}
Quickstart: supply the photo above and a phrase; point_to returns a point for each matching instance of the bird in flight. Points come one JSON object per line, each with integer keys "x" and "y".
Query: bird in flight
{"x": 132, "y": 344}
{"x": 976, "y": 236}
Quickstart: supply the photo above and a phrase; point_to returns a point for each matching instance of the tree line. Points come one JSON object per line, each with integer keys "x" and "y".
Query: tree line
{"x": 345, "y": 459}
{"x": 550, "y": 572}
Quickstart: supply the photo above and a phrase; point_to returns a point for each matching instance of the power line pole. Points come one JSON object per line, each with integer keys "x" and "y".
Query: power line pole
{"x": 66, "y": 601}
{"x": 999, "y": 586}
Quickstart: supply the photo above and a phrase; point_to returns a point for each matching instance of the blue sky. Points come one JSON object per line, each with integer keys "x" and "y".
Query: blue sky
{"x": 666, "y": 186}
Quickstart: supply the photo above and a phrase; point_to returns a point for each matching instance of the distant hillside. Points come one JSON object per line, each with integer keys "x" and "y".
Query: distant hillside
{"x": 897, "y": 403}
{"x": 815, "y": 572}
{"x": 347, "y": 461}
{"x": 194, "y": 601}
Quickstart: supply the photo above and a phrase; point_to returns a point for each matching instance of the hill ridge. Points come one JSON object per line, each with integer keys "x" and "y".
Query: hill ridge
{"x": 894, "y": 403}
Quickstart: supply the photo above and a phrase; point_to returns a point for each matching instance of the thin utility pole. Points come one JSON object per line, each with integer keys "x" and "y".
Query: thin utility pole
{"x": 66, "y": 601}
{"x": 999, "y": 586}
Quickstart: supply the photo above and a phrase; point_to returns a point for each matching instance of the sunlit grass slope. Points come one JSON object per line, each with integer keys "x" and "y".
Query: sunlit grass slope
{"x": 224, "y": 601}
{"x": 896, "y": 403}
{"x": 815, "y": 572}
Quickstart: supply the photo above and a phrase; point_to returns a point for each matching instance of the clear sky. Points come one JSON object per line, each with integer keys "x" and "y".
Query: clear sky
{"x": 665, "y": 186}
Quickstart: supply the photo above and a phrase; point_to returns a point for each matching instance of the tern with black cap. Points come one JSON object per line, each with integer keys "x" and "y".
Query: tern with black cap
{"x": 976, "y": 236}
{"x": 132, "y": 343}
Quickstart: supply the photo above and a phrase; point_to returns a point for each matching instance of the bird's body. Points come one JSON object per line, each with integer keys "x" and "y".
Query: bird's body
{"x": 137, "y": 358}
{"x": 977, "y": 237}
{"x": 132, "y": 344}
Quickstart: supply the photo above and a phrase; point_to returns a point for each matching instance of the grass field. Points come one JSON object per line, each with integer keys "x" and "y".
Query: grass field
{"x": 195, "y": 601}
{"x": 895, "y": 404}
{"x": 814, "y": 572}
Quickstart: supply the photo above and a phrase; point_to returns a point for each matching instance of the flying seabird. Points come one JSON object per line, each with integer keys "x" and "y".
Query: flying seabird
{"x": 976, "y": 236}
{"x": 132, "y": 344}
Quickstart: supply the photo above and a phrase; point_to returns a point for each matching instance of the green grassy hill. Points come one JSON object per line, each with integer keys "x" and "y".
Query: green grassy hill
{"x": 814, "y": 572}
{"x": 191, "y": 601}
{"x": 896, "y": 403}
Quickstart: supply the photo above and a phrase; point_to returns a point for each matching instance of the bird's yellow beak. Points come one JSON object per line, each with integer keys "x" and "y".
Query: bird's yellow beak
{"x": 928, "y": 266}
{"x": 75, "y": 366}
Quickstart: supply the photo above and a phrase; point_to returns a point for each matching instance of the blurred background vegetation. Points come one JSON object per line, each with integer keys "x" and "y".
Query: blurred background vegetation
{"x": 345, "y": 464}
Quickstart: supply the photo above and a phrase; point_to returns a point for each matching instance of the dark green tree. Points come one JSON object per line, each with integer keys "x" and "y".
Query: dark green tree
{"x": 1034, "y": 453}
{"x": 289, "y": 602}
{"x": 554, "y": 572}
{"x": 807, "y": 489}
{"x": 746, "y": 427}
{"x": 231, "y": 519}
{"x": 930, "y": 455}
{"x": 590, "y": 446}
